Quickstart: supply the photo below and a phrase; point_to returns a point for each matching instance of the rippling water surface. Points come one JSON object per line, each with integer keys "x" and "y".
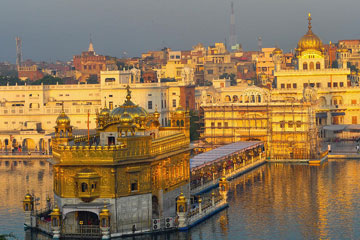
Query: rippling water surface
{"x": 275, "y": 201}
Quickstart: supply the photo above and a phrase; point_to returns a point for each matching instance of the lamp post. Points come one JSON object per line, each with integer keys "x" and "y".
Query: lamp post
{"x": 28, "y": 206}
{"x": 105, "y": 223}
{"x": 56, "y": 222}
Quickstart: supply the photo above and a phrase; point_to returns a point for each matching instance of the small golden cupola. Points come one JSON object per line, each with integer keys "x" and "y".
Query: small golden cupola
{"x": 310, "y": 41}
{"x": 181, "y": 119}
{"x": 126, "y": 125}
{"x": 103, "y": 116}
{"x": 154, "y": 122}
{"x": 63, "y": 129}
{"x": 277, "y": 51}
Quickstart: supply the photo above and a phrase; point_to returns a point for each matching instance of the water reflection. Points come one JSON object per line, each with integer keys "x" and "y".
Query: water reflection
{"x": 17, "y": 177}
{"x": 276, "y": 201}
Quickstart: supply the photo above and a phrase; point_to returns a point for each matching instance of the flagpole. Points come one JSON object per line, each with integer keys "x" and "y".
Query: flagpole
{"x": 88, "y": 127}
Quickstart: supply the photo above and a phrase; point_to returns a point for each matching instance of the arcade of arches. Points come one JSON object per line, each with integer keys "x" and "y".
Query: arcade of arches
{"x": 20, "y": 144}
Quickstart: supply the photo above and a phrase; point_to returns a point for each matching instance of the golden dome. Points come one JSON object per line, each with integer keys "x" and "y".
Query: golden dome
{"x": 180, "y": 110}
{"x": 310, "y": 41}
{"x": 28, "y": 197}
{"x": 55, "y": 211}
{"x": 63, "y": 119}
{"x": 277, "y": 51}
{"x": 181, "y": 197}
{"x": 105, "y": 212}
{"x": 126, "y": 118}
{"x": 156, "y": 113}
{"x": 132, "y": 109}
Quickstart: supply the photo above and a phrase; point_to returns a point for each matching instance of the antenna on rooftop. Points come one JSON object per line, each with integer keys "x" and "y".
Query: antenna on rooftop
{"x": 232, "y": 40}
{"x": 260, "y": 43}
{"x": 18, "y": 52}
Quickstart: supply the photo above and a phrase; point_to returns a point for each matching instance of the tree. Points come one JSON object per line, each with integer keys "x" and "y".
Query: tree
{"x": 194, "y": 125}
{"x": 4, "y": 80}
{"x": 231, "y": 76}
{"x": 93, "y": 79}
{"x": 334, "y": 64}
{"x": 48, "y": 80}
{"x": 352, "y": 67}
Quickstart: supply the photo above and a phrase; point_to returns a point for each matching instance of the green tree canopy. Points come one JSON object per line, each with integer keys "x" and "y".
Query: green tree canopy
{"x": 231, "y": 76}
{"x": 48, "y": 80}
{"x": 4, "y": 80}
{"x": 93, "y": 79}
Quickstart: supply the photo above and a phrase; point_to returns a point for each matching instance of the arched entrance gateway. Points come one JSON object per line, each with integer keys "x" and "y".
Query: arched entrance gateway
{"x": 81, "y": 223}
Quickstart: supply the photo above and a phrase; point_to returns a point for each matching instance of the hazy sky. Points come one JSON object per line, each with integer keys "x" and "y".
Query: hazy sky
{"x": 58, "y": 29}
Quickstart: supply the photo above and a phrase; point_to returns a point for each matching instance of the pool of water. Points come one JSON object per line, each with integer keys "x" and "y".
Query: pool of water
{"x": 275, "y": 201}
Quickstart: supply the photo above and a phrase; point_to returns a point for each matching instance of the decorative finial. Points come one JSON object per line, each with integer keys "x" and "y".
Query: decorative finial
{"x": 309, "y": 19}
{"x": 62, "y": 107}
{"x": 105, "y": 102}
{"x": 128, "y": 96}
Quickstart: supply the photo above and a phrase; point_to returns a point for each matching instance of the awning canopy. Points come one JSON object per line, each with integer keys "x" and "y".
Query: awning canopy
{"x": 334, "y": 127}
{"x": 337, "y": 114}
{"x": 219, "y": 153}
{"x": 321, "y": 115}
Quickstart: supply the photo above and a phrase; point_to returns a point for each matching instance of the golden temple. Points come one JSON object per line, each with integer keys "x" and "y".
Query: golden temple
{"x": 132, "y": 165}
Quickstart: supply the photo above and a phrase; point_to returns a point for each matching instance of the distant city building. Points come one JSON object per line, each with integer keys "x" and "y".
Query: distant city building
{"x": 90, "y": 64}
{"x": 353, "y": 51}
{"x": 31, "y": 73}
{"x": 338, "y": 97}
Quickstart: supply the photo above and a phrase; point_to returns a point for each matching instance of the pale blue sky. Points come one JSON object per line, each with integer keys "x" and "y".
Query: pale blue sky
{"x": 58, "y": 29}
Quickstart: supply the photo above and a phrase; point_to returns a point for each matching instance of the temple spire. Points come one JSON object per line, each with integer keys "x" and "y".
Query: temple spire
{"x": 309, "y": 25}
{"x": 128, "y": 96}
{"x": 91, "y": 46}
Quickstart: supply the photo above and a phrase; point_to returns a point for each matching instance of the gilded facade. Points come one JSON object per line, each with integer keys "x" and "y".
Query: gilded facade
{"x": 132, "y": 165}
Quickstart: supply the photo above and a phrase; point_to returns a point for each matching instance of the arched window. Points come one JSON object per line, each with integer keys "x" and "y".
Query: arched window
{"x": 259, "y": 98}
{"x": 305, "y": 66}
{"x": 227, "y": 98}
{"x": 317, "y": 65}
{"x": 235, "y": 98}
{"x": 84, "y": 187}
{"x": 182, "y": 123}
{"x": 178, "y": 123}
{"x": 311, "y": 66}
{"x": 252, "y": 98}
{"x": 241, "y": 99}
